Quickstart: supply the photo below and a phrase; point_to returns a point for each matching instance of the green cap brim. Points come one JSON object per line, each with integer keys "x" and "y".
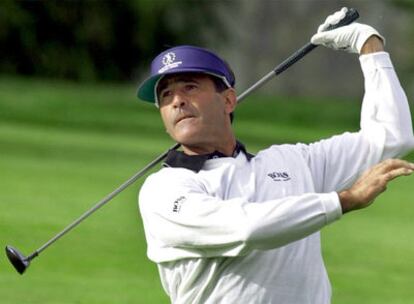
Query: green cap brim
{"x": 146, "y": 89}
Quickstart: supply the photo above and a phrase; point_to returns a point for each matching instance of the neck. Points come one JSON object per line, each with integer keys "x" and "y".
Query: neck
{"x": 226, "y": 147}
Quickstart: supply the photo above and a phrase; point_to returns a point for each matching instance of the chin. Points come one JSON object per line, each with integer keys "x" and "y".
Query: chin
{"x": 188, "y": 138}
{"x": 185, "y": 135}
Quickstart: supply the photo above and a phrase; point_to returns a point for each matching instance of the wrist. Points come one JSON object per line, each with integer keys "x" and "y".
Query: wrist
{"x": 373, "y": 44}
{"x": 345, "y": 201}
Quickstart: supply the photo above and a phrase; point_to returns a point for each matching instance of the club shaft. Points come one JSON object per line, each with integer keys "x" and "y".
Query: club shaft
{"x": 292, "y": 59}
{"x": 105, "y": 200}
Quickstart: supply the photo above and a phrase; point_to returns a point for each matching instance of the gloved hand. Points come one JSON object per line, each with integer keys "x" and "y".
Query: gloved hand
{"x": 350, "y": 38}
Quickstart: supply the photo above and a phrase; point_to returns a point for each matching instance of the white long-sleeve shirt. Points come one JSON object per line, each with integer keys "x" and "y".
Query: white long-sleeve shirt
{"x": 246, "y": 230}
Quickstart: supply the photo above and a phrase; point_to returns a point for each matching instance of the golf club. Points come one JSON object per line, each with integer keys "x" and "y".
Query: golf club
{"x": 21, "y": 262}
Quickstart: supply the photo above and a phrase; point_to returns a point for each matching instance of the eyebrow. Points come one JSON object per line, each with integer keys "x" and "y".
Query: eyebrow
{"x": 164, "y": 83}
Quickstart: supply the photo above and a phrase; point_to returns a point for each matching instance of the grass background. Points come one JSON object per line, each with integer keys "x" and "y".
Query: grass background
{"x": 64, "y": 146}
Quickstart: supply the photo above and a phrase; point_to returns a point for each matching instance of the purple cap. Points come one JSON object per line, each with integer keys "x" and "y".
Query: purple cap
{"x": 183, "y": 59}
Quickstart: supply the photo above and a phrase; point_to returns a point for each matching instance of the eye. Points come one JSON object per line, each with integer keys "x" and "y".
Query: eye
{"x": 190, "y": 87}
{"x": 165, "y": 93}
{"x": 164, "y": 96}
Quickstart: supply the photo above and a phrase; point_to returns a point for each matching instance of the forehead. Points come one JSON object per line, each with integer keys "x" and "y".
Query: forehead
{"x": 181, "y": 77}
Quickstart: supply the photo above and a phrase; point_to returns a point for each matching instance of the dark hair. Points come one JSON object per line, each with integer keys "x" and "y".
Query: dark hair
{"x": 220, "y": 87}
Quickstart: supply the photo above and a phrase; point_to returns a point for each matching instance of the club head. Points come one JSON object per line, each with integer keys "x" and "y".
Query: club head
{"x": 18, "y": 260}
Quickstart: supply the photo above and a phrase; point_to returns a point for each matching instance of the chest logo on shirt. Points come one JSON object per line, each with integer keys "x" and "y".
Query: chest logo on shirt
{"x": 279, "y": 176}
{"x": 177, "y": 204}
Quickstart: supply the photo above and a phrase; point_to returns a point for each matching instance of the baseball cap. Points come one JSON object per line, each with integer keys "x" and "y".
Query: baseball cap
{"x": 182, "y": 59}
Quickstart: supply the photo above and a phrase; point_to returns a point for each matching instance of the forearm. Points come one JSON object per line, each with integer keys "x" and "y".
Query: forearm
{"x": 207, "y": 226}
{"x": 290, "y": 219}
{"x": 385, "y": 107}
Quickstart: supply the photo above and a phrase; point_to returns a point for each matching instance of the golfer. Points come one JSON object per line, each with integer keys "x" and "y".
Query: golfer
{"x": 225, "y": 226}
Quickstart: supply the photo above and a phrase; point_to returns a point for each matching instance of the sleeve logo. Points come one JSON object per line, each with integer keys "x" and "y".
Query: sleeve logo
{"x": 177, "y": 203}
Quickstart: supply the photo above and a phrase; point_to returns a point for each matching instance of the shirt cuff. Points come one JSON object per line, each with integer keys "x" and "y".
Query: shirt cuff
{"x": 332, "y": 205}
{"x": 375, "y": 60}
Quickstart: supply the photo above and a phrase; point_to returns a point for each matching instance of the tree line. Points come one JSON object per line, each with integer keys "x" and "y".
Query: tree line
{"x": 97, "y": 40}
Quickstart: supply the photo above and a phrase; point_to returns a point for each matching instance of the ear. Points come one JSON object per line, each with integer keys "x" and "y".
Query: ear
{"x": 230, "y": 100}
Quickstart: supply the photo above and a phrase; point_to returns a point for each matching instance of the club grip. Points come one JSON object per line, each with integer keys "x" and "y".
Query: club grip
{"x": 350, "y": 16}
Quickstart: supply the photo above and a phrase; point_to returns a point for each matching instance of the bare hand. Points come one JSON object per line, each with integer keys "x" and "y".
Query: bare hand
{"x": 372, "y": 183}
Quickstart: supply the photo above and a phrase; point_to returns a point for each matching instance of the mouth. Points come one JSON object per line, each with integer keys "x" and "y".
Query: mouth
{"x": 179, "y": 119}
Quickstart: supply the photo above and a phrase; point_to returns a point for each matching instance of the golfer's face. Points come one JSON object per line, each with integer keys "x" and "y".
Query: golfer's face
{"x": 194, "y": 113}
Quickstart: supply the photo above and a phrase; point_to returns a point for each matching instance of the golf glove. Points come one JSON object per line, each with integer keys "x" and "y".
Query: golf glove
{"x": 350, "y": 38}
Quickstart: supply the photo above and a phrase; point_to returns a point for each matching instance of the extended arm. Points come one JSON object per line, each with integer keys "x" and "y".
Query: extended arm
{"x": 183, "y": 221}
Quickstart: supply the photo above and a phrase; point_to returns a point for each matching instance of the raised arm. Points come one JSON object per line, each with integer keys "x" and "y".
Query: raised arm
{"x": 386, "y": 126}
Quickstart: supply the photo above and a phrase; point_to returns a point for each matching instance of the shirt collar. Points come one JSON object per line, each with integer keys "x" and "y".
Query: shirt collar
{"x": 178, "y": 159}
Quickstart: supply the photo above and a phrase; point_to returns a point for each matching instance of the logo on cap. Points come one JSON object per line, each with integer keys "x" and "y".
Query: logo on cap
{"x": 168, "y": 58}
{"x": 169, "y": 62}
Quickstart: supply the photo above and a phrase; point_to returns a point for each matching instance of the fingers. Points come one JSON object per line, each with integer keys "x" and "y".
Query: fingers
{"x": 373, "y": 182}
{"x": 391, "y": 164}
{"x": 333, "y": 19}
{"x": 393, "y": 168}
{"x": 319, "y": 38}
{"x": 398, "y": 172}
{"x": 350, "y": 38}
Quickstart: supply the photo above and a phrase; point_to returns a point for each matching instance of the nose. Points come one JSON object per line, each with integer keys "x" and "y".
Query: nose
{"x": 179, "y": 100}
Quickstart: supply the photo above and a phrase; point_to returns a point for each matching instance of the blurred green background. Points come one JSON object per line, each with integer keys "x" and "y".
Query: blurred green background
{"x": 71, "y": 131}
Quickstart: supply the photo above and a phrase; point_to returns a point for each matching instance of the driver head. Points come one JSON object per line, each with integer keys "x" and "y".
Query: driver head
{"x": 18, "y": 260}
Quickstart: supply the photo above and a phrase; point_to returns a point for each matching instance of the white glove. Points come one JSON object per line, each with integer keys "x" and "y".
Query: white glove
{"x": 350, "y": 38}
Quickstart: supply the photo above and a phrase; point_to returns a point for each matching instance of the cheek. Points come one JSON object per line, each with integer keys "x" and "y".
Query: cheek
{"x": 214, "y": 111}
{"x": 165, "y": 119}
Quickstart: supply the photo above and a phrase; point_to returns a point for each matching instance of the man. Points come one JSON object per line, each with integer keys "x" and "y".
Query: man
{"x": 225, "y": 226}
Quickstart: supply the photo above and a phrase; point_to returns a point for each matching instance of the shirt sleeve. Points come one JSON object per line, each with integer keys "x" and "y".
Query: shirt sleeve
{"x": 385, "y": 130}
{"x": 182, "y": 221}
